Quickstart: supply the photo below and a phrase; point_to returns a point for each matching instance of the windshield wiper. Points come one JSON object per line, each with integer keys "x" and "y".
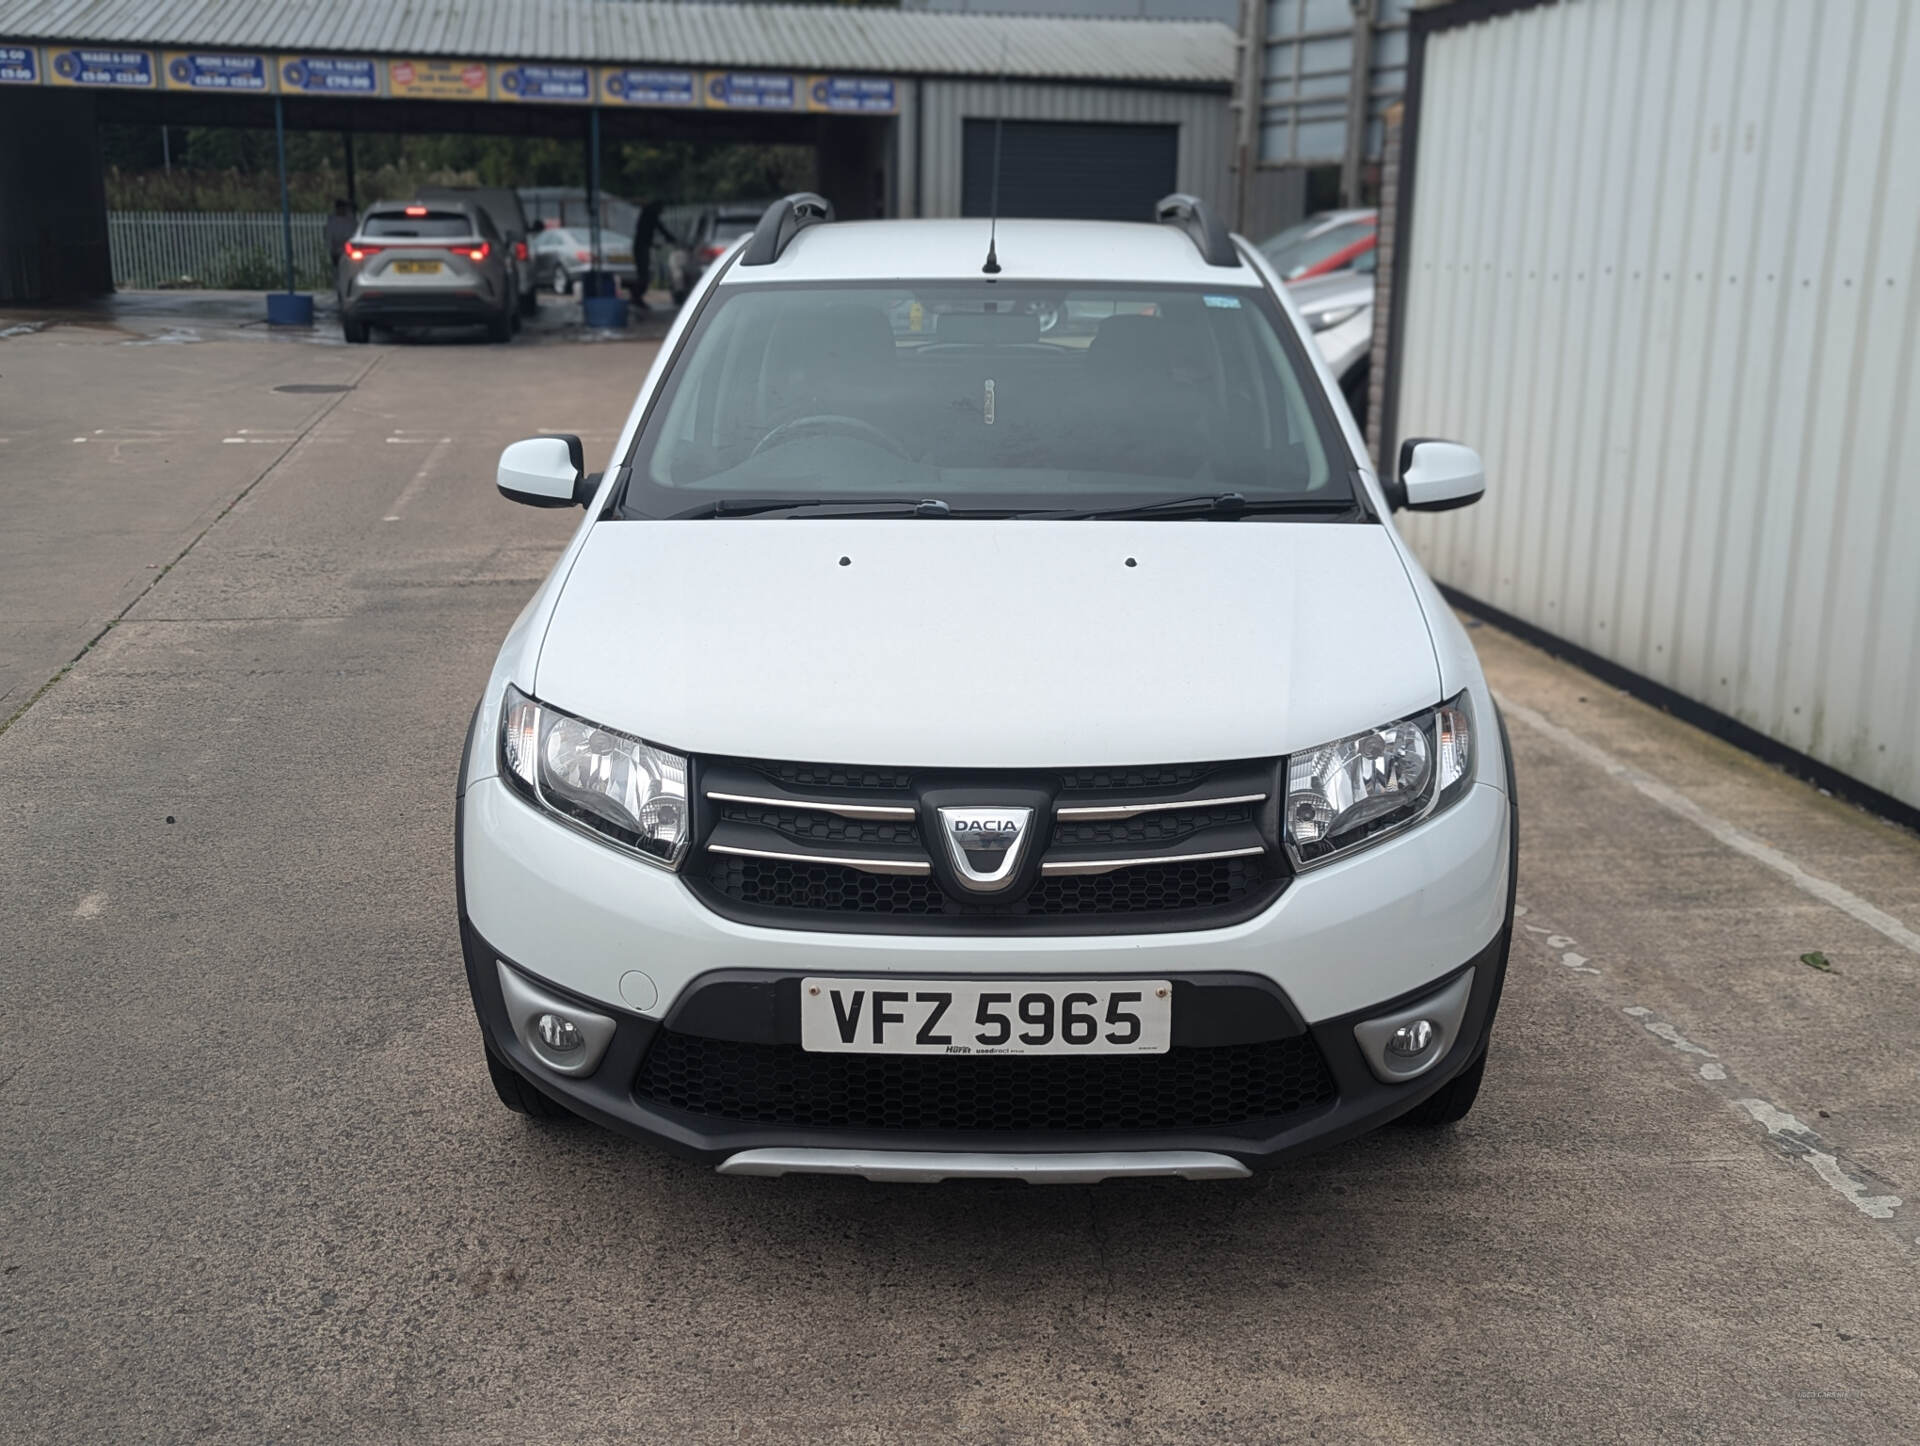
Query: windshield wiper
{"x": 859, "y": 506}
{"x": 1213, "y": 504}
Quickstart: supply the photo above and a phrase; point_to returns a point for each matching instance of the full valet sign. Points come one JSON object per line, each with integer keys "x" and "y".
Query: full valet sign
{"x": 985, "y": 1016}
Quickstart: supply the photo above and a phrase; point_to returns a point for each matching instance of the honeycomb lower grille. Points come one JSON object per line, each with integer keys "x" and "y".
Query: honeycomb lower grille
{"x": 817, "y": 827}
{"x": 1149, "y": 888}
{"x": 1189, "y": 1087}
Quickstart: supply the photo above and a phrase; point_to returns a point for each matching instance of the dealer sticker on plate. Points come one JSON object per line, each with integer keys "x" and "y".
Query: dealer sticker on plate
{"x": 985, "y": 1016}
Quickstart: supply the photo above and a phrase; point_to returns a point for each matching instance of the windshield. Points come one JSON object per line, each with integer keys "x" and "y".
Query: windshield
{"x": 986, "y": 397}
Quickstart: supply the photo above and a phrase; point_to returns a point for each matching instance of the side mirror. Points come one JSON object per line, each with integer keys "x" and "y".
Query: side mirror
{"x": 546, "y": 472}
{"x": 1437, "y": 476}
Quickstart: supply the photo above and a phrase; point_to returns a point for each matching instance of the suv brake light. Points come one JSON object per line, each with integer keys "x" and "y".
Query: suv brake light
{"x": 361, "y": 253}
{"x": 519, "y": 251}
{"x": 711, "y": 252}
{"x": 477, "y": 253}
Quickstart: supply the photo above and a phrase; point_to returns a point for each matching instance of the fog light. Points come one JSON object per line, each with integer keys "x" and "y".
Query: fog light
{"x": 1406, "y": 1043}
{"x": 560, "y": 1034}
{"x": 1409, "y": 1041}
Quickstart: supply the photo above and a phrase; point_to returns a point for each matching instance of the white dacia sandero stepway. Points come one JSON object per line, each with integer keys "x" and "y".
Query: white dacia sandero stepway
{"x": 987, "y": 725}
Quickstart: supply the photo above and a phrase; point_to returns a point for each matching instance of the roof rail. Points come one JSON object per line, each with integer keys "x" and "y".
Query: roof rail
{"x": 1196, "y": 218}
{"x": 781, "y": 222}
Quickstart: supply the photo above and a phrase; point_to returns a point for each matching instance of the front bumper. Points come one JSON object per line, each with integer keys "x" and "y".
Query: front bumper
{"x": 759, "y": 1012}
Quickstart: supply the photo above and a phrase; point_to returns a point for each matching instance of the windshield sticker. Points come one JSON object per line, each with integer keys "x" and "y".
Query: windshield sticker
{"x": 1225, "y": 303}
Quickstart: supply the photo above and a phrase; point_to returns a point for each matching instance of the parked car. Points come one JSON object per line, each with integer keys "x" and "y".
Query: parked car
{"x": 562, "y": 255}
{"x": 509, "y": 217}
{"x": 420, "y": 263}
{"x": 1323, "y": 244}
{"x": 567, "y": 206}
{"x": 706, "y": 241}
{"x": 1338, "y": 311}
{"x": 988, "y": 749}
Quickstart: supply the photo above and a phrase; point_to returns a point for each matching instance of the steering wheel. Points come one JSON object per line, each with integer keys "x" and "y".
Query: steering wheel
{"x": 794, "y": 428}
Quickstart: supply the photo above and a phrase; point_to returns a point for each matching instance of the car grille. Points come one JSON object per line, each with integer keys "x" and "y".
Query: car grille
{"x": 826, "y": 888}
{"x": 1187, "y": 1088}
{"x": 831, "y": 846}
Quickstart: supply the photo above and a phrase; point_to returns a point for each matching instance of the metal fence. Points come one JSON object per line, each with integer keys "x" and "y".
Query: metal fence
{"x": 223, "y": 250}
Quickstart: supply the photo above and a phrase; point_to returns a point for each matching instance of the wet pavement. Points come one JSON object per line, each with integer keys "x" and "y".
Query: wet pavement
{"x": 187, "y": 316}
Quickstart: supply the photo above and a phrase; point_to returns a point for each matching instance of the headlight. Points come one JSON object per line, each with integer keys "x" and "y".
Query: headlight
{"x": 1331, "y": 317}
{"x": 613, "y": 784}
{"x": 1357, "y": 790}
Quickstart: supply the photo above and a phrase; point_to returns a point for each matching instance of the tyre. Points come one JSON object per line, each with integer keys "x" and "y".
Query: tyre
{"x": 1450, "y": 1103}
{"x": 354, "y": 331}
{"x": 562, "y": 282}
{"x": 530, "y": 301}
{"x": 500, "y": 328}
{"x": 519, "y": 1096}
{"x": 514, "y": 313}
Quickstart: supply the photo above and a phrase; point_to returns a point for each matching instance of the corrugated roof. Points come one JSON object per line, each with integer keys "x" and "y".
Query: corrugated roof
{"x": 778, "y": 37}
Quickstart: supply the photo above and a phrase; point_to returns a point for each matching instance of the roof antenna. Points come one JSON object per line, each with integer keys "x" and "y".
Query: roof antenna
{"x": 992, "y": 268}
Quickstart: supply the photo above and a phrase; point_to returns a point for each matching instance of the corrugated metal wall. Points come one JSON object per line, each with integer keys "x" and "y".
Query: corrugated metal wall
{"x": 1662, "y": 274}
{"x": 1205, "y": 119}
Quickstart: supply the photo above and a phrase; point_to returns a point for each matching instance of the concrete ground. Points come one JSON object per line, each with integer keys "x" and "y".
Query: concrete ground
{"x": 254, "y": 1184}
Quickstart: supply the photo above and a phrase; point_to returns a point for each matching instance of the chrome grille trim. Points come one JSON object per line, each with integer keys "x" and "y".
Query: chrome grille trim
{"x": 1107, "y": 866}
{"x": 1131, "y": 810}
{"x": 871, "y": 866}
{"x": 808, "y": 805}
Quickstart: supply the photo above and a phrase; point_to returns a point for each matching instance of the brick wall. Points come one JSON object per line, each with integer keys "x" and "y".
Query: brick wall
{"x": 1383, "y": 281}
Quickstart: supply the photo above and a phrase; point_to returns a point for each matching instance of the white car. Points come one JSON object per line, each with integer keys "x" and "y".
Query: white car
{"x": 563, "y": 254}
{"x": 1015, "y": 743}
{"x": 1338, "y": 310}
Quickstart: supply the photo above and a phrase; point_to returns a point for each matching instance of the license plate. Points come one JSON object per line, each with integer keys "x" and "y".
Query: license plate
{"x": 987, "y": 1016}
{"x": 417, "y": 268}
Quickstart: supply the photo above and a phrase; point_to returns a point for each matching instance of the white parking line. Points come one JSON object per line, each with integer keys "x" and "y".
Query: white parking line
{"x": 1734, "y": 837}
{"x": 413, "y": 488}
{"x": 1797, "y": 1139}
{"x": 1660, "y": 1029}
{"x": 1785, "y": 1132}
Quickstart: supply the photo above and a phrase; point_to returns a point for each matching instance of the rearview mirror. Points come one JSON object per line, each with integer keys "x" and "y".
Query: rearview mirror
{"x": 1437, "y": 476}
{"x": 546, "y": 472}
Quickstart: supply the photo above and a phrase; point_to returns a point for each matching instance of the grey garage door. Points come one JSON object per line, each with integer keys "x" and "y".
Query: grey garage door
{"x": 1069, "y": 169}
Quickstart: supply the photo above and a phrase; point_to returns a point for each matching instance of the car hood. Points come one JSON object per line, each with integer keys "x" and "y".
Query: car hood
{"x": 1015, "y": 644}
